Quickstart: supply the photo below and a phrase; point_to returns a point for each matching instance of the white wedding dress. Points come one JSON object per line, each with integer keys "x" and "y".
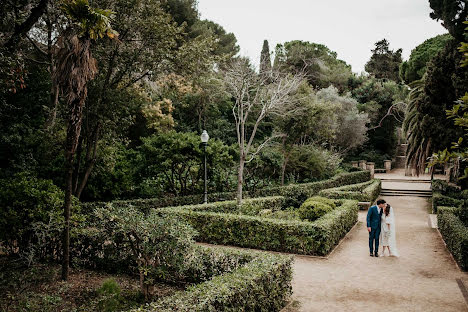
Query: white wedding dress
{"x": 388, "y": 236}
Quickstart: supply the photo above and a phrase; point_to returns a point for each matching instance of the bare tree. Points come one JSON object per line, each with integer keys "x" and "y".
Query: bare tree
{"x": 256, "y": 97}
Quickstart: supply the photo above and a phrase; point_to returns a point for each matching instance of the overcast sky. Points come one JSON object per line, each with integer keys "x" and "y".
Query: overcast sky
{"x": 348, "y": 27}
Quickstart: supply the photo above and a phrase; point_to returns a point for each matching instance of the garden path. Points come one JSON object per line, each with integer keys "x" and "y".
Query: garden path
{"x": 424, "y": 278}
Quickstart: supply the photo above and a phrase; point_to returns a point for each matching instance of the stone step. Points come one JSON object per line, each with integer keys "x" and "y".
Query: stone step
{"x": 383, "y": 179}
{"x": 415, "y": 193}
{"x": 406, "y": 191}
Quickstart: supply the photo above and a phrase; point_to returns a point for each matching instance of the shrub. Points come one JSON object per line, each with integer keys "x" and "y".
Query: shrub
{"x": 263, "y": 284}
{"x": 364, "y": 192}
{"x": 314, "y": 208}
{"x": 315, "y": 238}
{"x": 455, "y": 234}
{"x": 109, "y": 296}
{"x": 295, "y": 194}
{"x": 441, "y": 200}
{"x": 147, "y": 204}
{"x": 26, "y": 201}
{"x": 159, "y": 245}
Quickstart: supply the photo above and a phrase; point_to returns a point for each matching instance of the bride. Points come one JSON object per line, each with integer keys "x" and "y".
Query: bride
{"x": 387, "y": 233}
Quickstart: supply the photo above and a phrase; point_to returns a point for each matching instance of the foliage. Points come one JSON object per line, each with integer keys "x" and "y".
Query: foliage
{"x": 26, "y": 203}
{"x": 160, "y": 246}
{"x": 263, "y": 284}
{"x": 382, "y": 101}
{"x": 296, "y": 194}
{"x": 415, "y": 67}
{"x": 320, "y": 65}
{"x": 174, "y": 161}
{"x": 363, "y": 192}
{"x": 315, "y": 238}
{"x": 110, "y": 291}
{"x": 350, "y": 124}
{"x": 454, "y": 233}
{"x": 440, "y": 94}
{"x": 314, "y": 208}
{"x": 384, "y": 63}
{"x": 440, "y": 200}
{"x": 453, "y": 14}
{"x": 265, "y": 58}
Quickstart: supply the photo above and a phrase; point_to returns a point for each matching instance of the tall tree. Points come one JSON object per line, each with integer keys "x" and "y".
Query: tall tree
{"x": 75, "y": 68}
{"x": 444, "y": 83}
{"x": 256, "y": 97}
{"x": 415, "y": 67}
{"x": 452, "y": 13}
{"x": 384, "y": 63}
{"x": 265, "y": 59}
{"x": 317, "y": 62}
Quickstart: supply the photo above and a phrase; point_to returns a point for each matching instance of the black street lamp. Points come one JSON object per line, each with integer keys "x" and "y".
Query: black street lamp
{"x": 204, "y": 138}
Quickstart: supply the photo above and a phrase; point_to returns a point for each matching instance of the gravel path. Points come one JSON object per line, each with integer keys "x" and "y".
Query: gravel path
{"x": 422, "y": 279}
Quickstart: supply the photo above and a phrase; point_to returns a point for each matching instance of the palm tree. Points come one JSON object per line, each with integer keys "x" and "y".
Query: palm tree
{"x": 75, "y": 68}
{"x": 419, "y": 145}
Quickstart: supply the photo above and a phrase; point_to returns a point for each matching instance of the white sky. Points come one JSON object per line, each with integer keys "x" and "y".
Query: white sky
{"x": 348, "y": 27}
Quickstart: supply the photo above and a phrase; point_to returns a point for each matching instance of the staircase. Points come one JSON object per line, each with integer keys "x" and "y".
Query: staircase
{"x": 394, "y": 185}
{"x": 406, "y": 192}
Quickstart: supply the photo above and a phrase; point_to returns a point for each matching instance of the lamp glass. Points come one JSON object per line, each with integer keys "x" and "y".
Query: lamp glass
{"x": 204, "y": 136}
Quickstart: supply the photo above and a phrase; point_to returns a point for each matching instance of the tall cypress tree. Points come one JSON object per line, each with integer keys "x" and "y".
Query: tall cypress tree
{"x": 265, "y": 60}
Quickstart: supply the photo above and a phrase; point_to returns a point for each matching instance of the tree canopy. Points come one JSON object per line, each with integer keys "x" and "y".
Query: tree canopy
{"x": 384, "y": 63}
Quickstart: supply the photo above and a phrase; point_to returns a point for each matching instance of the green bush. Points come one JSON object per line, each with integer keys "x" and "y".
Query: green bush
{"x": 295, "y": 194}
{"x": 455, "y": 234}
{"x": 263, "y": 284}
{"x": 441, "y": 200}
{"x": 147, "y": 204}
{"x": 26, "y": 202}
{"x": 315, "y": 207}
{"x": 364, "y": 192}
{"x": 314, "y": 238}
{"x": 109, "y": 296}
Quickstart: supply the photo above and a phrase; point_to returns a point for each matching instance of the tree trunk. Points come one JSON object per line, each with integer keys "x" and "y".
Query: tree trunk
{"x": 240, "y": 177}
{"x": 73, "y": 134}
{"x": 283, "y": 168}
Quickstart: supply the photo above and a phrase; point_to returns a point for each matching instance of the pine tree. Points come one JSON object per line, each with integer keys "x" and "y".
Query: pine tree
{"x": 265, "y": 60}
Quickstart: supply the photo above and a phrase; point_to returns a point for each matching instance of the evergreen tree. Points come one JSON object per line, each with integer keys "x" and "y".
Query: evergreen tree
{"x": 384, "y": 63}
{"x": 265, "y": 60}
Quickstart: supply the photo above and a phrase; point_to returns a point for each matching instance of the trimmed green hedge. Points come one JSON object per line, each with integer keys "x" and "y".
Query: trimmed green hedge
{"x": 296, "y": 194}
{"x": 263, "y": 284}
{"x": 225, "y": 279}
{"x": 441, "y": 200}
{"x": 364, "y": 192}
{"x": 312, "y": 238}
{"x": 145, "y": 204}
{"x": 455, "y": 234}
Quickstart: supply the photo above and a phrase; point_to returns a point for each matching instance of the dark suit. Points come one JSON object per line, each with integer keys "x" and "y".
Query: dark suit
{"x": 373, "y": 222}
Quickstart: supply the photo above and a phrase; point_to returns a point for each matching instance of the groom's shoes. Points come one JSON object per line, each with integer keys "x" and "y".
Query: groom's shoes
{"x": 371, "y": 255}
{"x": 376, "y": 254}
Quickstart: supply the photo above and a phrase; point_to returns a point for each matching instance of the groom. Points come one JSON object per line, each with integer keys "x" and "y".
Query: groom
{"x": 373, "y": 226}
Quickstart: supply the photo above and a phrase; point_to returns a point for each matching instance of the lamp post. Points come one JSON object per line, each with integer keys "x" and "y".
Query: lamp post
{"x": 204, "y": 138}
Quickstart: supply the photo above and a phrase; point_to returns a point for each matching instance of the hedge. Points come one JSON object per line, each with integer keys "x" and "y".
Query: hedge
{"x": 364, "y": 192}
{"x": 312, "y": 238}
{"x": 442, "y": 200}
{"x": 263, "y": 284}
{"x": 225, "y": 279}
{"x": 145, "y": 204}
{"x": 295, "y": 193}
{"x": 455, "y": 234}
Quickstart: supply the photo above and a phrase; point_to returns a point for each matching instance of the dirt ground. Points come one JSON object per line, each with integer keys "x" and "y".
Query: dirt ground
{"x": 422, "y": 279}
